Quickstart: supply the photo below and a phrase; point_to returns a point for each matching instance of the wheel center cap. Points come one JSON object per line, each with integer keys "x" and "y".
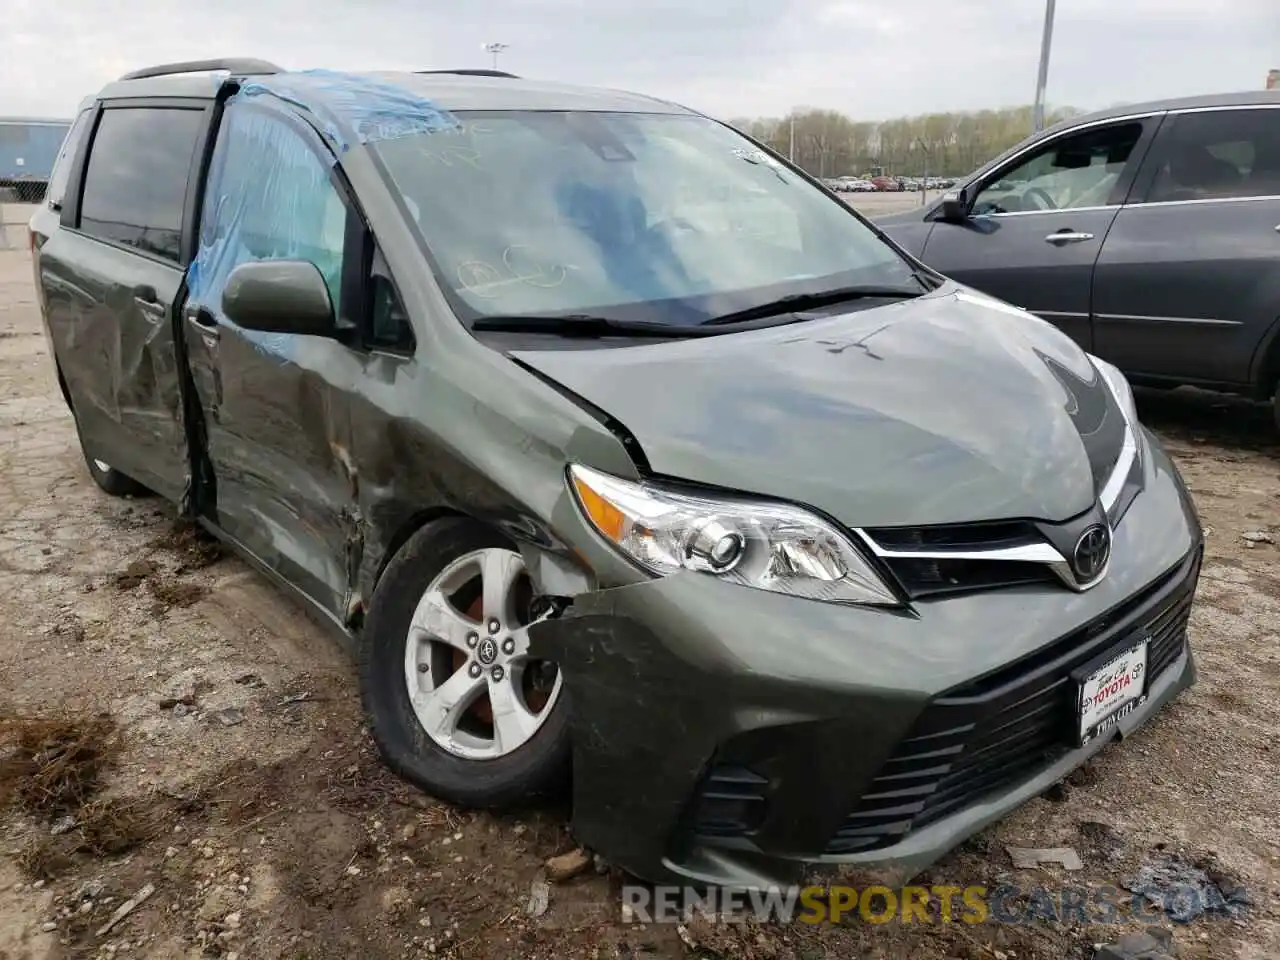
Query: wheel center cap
{"x": 487, "y": 651}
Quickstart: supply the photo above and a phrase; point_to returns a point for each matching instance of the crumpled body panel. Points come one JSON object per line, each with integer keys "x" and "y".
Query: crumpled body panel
{"x": 117, "y": 357}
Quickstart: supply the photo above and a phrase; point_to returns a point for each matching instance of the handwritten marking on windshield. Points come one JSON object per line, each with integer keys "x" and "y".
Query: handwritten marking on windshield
{"x": 486, "y": 280}
{"x": 539, "y": 277}
{"x": 452, "y": 156}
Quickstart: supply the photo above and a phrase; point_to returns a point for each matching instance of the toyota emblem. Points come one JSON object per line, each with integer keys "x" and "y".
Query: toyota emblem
{"x": 1093, "y": 550}
{"x": 487, "y": 652}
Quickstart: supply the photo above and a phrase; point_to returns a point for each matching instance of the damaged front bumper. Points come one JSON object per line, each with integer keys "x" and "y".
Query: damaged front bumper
{"x": 742, "y": 738}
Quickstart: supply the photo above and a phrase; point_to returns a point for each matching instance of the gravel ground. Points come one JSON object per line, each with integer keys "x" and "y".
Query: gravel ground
{"x": 214, "y": 761}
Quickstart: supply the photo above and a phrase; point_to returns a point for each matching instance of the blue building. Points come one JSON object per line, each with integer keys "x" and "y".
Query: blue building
{"x": 28, "y": 148}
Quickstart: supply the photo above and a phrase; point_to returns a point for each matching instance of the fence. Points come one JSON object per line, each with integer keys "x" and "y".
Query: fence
{"x": 28, "y": 149}
{"x": 24, "y": 191}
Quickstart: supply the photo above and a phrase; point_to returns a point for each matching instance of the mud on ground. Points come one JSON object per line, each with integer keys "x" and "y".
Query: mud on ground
{"x": 171, "y": 724}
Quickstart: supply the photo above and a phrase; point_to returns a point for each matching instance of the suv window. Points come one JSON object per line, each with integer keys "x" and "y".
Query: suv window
{"x": 1217, "y": 155}
{"x": 269, "y": 197}
{"x": 136, "y": 180}
{"x": 388, "y": 326}
{"x": 1077, "y": 170}
{"x": 66, "y": 154}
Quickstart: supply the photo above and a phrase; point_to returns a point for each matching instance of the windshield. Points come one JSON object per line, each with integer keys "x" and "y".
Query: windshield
{"x": 662, "y": 218}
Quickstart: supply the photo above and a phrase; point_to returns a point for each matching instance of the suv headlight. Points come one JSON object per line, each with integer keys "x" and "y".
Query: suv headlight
{"x": 768, "y": 546}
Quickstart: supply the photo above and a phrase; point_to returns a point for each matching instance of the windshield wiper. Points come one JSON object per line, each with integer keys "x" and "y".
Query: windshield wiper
{"x": 582, "y": 325}
{"x": 812, "y": 301}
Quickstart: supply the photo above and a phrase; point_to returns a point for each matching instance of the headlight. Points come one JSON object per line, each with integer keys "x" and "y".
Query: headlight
{"x": 768, "y": 546}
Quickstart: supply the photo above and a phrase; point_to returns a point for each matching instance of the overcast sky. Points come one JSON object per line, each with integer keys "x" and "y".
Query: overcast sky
{"x": 870, "y": 58}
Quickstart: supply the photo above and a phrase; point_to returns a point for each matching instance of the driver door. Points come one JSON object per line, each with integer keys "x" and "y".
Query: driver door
{"x": 1037, "y": 223}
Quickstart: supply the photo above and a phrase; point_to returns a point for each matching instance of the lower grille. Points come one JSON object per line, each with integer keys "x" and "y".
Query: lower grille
{"x": 1007, "y": 726}
{"x": 730, "y": 802}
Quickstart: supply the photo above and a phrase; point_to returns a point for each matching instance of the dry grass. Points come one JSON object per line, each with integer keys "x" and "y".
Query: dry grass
{"x": 197, "y": 547}
{"x": 176, "y": 593}
{"x": 51, "y": 767}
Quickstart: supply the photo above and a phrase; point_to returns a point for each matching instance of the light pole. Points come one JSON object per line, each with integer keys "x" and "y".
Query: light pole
{"x": 1042, "y": 78}
{"x": 494, "y": 49}
{"x": 924, "y": 176}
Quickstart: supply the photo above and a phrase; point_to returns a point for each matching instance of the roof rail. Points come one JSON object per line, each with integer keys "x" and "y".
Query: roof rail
{"x": 239, "y": 65}
{"x": 475, "y": 73}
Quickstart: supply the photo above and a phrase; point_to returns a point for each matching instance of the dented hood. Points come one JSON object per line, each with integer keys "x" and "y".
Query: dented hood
{"x": 949, "y": 408}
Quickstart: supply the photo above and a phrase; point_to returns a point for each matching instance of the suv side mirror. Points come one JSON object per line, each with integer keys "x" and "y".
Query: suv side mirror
{"x": 279, "y": 296}
{"x": 954, "y": 207}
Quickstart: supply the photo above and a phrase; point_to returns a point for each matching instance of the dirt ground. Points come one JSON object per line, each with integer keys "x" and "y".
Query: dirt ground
{"x": 170, "y": 723}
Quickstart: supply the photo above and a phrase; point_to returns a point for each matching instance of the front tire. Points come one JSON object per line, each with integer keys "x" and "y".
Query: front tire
{"x": 455, "y": 703}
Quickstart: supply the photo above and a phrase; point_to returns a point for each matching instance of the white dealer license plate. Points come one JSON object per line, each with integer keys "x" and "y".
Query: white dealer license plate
{"x": 1113, "y": 691}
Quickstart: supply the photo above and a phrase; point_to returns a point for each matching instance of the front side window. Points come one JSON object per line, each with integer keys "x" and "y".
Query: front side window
{"x": 268, "y": 197}
{"x": 1218, "y": 154}
{"x": 665, "y": 218}
{"x": 136, "y": 182}
{"x": 1077, "y": 170}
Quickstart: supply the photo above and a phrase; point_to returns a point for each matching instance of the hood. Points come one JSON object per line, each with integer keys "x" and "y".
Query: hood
{"x": 950, "y": 408}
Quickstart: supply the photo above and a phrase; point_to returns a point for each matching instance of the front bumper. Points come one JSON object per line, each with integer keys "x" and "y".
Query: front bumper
{"x": 736, "y": 737}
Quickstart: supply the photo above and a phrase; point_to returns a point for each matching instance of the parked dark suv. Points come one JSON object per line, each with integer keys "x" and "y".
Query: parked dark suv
{"x": 1149, "y": 233}
{"x": 603, "y": 433}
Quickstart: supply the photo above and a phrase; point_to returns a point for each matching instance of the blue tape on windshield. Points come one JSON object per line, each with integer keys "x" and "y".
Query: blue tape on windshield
{"x": 268, "y": 197}
{"x": 374, "y": 109}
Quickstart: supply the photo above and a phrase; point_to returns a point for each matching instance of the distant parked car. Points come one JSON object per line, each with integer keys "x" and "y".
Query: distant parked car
{"x": 1150, "y": 234}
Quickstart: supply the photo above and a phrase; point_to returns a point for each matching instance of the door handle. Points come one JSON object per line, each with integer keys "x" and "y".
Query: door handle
{"x": 1067, "y": 236}
{"x": 149, "y": 305}
{"x": 202, "y": 320}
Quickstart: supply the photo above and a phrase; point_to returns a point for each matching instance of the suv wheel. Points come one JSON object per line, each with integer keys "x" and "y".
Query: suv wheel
{"x": 108, "y": 478}
{"x": 455, "y": 702}
{"x": 112, "y": 481}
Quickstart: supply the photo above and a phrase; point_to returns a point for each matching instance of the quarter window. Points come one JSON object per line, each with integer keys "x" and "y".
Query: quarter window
{"x": 66, "y": 154}
{"x": 1217, "y": 155}
{"x": 1078, "y": 170}
{"x": 136, "y": 181}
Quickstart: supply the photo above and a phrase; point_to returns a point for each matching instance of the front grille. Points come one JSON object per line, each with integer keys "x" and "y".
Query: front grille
{"x": 936, "y": 577}
{"x": 931, "y": 575}
{"x": 958, "y": 536}
{"x": 1010, "y": 724}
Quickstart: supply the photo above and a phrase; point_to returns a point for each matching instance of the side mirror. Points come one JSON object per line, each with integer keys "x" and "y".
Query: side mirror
{"x": 954, "y": 207}
{"x": 279, "y": 296}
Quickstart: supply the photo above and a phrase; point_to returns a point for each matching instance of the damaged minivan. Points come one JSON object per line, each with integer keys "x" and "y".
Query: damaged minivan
{"x": 627, "y": 458}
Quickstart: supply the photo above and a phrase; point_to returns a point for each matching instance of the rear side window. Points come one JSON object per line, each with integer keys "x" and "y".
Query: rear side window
{"x": 66, "y": 156}
{"x": 1218, "y": 155}
{"x": 136, "y": 181}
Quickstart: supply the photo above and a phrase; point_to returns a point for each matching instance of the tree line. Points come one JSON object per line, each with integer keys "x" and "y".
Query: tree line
{"x": 827, "y": 143}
